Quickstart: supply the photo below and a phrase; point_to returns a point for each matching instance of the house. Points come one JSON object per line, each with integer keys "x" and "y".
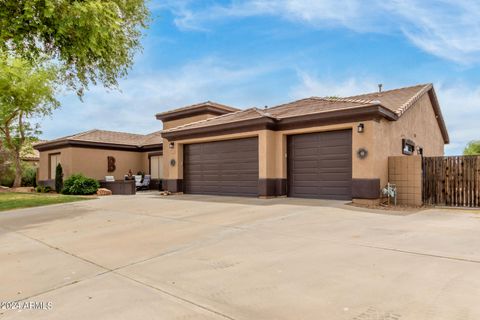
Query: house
{"x": 329, "y": 148}
{"x": 100, "y": 153}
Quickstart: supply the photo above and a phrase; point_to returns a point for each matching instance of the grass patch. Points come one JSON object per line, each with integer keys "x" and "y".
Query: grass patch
{"x": 13, "y": 200}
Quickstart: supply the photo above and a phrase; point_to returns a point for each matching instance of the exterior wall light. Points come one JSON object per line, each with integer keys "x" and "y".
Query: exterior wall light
{"x": 171, "y": 145}
{"x": 360, "y": 128}
{"x": 362, "y": 153}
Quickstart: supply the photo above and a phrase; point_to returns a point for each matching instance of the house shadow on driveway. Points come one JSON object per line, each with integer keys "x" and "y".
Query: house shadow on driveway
{"x": 347, "y": 205}
{"x": 253, "y": 201}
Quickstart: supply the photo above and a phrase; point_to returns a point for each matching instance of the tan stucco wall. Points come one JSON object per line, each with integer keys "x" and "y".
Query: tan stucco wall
{"x": 418, "y": 124}
{"x": 93, "y": 162}
{"x": 65, "y": 160}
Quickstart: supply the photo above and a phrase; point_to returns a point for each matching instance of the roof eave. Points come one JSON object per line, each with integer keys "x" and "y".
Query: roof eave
{"x": 87, "y": 144}
{"x": 221, "y": 129}
{"x": 438, "y": 115}
{"x": 194, "y": 111}
{"x": 363, "y": 113}
{"x": 323, "y": 118}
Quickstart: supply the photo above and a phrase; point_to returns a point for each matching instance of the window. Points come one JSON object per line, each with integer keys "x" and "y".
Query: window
{"x": 408, "y": 146}
{"x": 156, "y": 167}
{"x": 54, "y": 159}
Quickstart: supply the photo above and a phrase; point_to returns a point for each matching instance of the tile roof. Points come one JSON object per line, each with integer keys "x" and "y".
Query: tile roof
{"x": 397, "y": 101}
{"x": 238, "y": 116}
{"x": 110, "y": 137}
{"x": 152, "y": 138}
{"x": 202, "y": 105}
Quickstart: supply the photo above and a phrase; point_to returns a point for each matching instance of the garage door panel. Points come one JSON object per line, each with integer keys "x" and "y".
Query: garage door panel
{"x": 320, "y": 165}
{"x": 227, "y": 167}
{"x": 338, "y": 165}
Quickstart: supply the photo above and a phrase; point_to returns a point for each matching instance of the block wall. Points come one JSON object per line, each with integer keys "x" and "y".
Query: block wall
{"x": 406, "y": 173}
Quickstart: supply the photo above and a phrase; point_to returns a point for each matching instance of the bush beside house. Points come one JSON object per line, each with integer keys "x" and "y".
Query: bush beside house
{"x": 78, "y": 184}
{"x": 59, "y": 178}
{"x": 29, "y": 177}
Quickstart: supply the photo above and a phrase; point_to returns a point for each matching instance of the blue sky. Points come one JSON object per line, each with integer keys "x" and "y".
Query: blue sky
{"x": 257, "y": 52}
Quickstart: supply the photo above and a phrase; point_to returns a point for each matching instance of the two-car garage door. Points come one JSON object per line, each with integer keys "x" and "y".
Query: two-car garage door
{"x": 227, "y": 167}
{"x": 319, "y": 166}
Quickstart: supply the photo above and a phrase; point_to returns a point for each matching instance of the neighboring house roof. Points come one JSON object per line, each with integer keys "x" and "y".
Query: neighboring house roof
{"x": 29, "y": 153}
{"x": 106, "y": 139}
{"x": 208, "y": 107}
{"x": 389, "y": 104}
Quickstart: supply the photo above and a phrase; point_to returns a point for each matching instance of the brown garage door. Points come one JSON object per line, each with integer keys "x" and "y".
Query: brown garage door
{"x": 320, "y": 165}
{"x": 222, "y": 168}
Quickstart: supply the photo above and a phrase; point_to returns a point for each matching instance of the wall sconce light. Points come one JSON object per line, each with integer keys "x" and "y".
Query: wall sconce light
{"x": 360, "y": 128}
{"x": 362, "y": 153}
{"x": 171, "y": 145}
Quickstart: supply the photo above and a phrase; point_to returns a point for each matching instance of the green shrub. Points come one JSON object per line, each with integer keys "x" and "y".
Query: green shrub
{"x": 29, "y": 177}
{"x": 59, "y": 178}
{"x": 79, "y": 184}
{"x": 43, "y": 189}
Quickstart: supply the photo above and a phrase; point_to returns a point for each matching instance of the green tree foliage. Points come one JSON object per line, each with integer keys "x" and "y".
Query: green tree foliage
{"x": 94, "y": 40}
{"x": 59, "y": 178}
{"x": 29, "y": 177}
{"x": 472, "y": 148}
{"x": 26, "y": 93}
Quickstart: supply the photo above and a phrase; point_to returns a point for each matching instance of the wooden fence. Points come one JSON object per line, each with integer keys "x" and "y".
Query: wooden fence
{"x": 451, "y": 181}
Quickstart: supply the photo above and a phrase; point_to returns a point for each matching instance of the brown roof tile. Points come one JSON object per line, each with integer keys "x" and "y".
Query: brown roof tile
{"x": 238, "y": 116}
{"x": 314, "y": 105}
{"x": 397, "y": 101}
{"x": 152, "y": 138}
{"x": 108, "y": 137}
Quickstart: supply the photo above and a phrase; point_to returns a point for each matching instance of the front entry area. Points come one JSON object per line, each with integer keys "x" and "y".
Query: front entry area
{"x": 320, "y": 165}
{"x": 227, "y": 167}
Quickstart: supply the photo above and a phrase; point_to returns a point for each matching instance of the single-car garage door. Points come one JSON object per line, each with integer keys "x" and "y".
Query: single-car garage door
{"x": 227, "y": 167}
{"x": 320, "y": 165}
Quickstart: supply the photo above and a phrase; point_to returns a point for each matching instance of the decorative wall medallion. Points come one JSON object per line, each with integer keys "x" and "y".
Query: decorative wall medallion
{"x": 173, "y": 162}
{"x": 362, "y": 153}
{"x": 111, "y": 164}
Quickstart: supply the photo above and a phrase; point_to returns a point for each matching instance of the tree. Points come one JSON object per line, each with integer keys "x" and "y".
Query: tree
{"x": 27, "y": 93}
{"x": 472, "y": 148}
{"x": 94, "y": 40}
{"x": 58, "y": 178}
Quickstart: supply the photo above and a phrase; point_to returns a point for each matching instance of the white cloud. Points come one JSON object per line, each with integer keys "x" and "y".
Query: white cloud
{"x": 312, "y": 86}
{"x": 447, "y": 29}
{"x": 142, "y": 96}
{"x": 461, "y": 110}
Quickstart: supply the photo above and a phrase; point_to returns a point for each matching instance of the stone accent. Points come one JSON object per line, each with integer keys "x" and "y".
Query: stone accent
{"x": 406, "y": 173}
{"x": 104, "y": 192}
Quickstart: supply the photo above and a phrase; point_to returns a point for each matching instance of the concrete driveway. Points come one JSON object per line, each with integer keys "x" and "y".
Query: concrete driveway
{"x": 199, "y": 257}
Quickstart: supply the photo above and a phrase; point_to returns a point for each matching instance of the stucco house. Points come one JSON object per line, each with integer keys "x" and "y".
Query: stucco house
{"x": 100, "y": 153}
{"x": 332, "y": 148}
